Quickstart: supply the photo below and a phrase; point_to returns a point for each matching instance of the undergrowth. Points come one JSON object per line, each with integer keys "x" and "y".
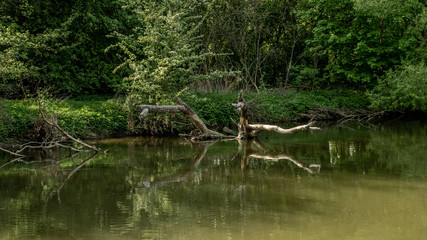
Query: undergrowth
{"x": 100, "y": 116}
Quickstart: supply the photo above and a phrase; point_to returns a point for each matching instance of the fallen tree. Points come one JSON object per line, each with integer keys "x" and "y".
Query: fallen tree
{"x": 246, "y": 130}
{"x": 202, "y": 132}
{"x": 53, "y": 137}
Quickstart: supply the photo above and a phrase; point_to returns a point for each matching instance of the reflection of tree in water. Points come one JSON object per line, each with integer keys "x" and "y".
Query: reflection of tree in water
{"x": 54, "y": 169}
{"x": 387, "y": 149}
{"x": 248, "y": 153}
{"x": 180, "y": 177}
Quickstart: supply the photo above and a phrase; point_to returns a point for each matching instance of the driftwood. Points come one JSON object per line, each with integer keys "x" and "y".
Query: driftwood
{"x": 246, "y": 130}
{"x": 203, "y": 131}
{"x": 54, "y": 123}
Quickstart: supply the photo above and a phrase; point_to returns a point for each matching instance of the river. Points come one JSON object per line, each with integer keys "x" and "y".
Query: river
{"x": 348, "y": 181}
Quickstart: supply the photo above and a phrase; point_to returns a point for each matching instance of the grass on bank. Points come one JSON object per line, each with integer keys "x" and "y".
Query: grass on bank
{"x": 98, "y": 116}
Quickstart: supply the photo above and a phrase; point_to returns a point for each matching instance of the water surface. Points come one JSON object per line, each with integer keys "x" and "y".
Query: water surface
{"x": 343, "y": 182}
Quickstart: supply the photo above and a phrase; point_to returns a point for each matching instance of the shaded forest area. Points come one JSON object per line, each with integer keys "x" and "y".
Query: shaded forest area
{"x": 151, "y": 51}
{"x": 160, "y": 47}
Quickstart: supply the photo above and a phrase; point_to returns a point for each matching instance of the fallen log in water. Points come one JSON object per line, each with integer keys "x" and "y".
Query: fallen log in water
{"x": 246, "y": 130}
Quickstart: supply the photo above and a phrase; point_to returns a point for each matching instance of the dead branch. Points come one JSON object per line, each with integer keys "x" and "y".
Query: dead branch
{"x": 54, "y": 124}
{"x": 247, "y": 130}
{"x": 202, "y": 133}
{"x": 327, "y": 114}
{"x": 12, "y": 153}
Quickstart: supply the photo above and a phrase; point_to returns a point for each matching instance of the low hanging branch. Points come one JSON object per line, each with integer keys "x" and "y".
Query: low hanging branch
{"x": 55, "y": 137}
{"x": 247, "y": 130}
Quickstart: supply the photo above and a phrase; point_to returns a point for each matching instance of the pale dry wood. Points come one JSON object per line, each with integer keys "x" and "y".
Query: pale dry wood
{"x": 11, "y": 153}
{"x": 247, "y": 130}
{"x": 265, "y": 127}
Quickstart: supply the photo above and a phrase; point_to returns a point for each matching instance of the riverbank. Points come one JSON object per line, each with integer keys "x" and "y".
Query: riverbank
{"x": 92, "y": 117}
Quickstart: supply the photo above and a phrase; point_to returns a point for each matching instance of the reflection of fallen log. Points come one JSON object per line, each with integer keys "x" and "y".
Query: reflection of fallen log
{"x": 182, "y": 176}
{"x": 69, "y": 175}
{"x": 276, "y": 158}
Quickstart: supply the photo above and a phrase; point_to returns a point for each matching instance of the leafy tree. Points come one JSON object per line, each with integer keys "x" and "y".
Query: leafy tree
{"x": 15, "y": 65}
{"x": 359, "y": 40}
{"x": 402, "y": 89}
{"x": 164, "y": 52}
{"x": 60, "y": 44}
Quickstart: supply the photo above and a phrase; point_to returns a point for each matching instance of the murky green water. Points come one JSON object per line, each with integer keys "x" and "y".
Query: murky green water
{"x": 344, "y": 182}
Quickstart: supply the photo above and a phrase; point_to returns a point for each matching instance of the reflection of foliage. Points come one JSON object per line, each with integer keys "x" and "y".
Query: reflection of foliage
{"x": 106, "y": 196}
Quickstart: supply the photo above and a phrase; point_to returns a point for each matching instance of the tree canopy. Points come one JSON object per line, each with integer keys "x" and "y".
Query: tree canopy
{"x": 153, "y": 48}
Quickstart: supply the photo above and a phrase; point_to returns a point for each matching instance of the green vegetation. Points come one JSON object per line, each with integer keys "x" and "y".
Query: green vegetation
{"x": 83, "y": 118}
{"x": 97, "y": 116}
{"x": 149, "y": 51}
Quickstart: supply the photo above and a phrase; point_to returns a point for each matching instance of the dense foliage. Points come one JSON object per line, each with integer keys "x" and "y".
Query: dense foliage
{"x": 151, "y": 50}
{"x": 158, "y": 47}
{"x": 98, "y": 116}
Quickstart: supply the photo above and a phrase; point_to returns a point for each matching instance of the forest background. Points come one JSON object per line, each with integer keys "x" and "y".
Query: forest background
{"x": 98, "y": 59}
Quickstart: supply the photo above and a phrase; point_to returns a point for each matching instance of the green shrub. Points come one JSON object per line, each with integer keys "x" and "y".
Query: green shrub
{"x": 403, "y": 89}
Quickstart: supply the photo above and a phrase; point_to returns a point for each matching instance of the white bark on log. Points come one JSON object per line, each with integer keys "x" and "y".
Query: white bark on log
{"x": 247, "y": 130}
{"x": 255, "y": 128}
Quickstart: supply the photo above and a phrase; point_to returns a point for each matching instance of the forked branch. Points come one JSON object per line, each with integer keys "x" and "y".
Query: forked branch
{"x": 247, "y": 130}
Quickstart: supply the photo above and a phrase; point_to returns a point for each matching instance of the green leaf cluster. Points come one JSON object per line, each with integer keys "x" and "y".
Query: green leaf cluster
{"x": 402, "y": 89}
